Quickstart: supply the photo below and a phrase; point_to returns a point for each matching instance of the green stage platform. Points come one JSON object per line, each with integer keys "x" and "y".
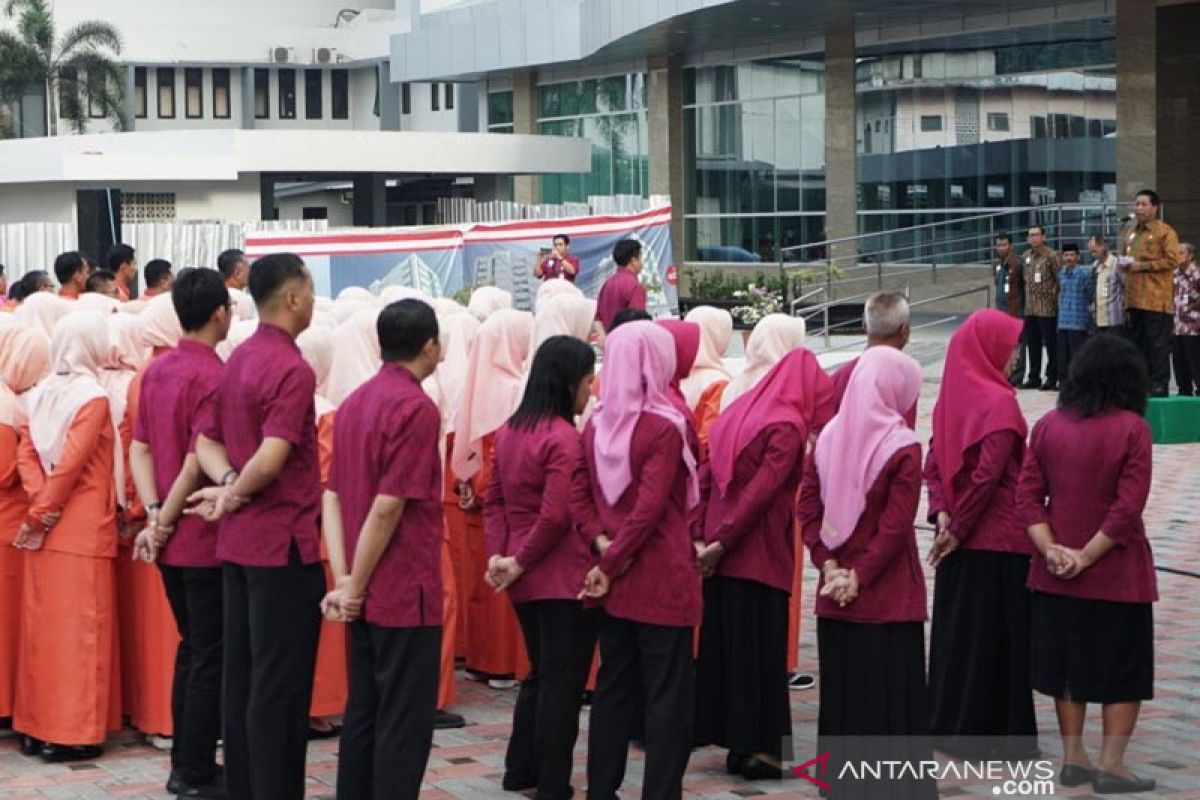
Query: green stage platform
{"x": 1174, "y": 420}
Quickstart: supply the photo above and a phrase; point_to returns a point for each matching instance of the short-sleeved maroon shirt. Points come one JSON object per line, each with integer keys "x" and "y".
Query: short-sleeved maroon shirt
{"x": 385, "y": 442}
{"x": 176, "y": 393}
{"x": 622, "y": 290}
{"x": 267, "y": 391}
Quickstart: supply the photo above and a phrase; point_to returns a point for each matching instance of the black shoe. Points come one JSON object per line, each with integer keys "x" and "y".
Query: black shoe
{"x": 517, "y": 783}
{"x": 1073, "y": 775}
{"x": 758, "y": 770}
{"x": 1032, "y": 383}
{"x": 1107, "y": 783}
{"x": 31, "y": 746}
{"x": 736, "y": 762}
{"x": 801, "y": 681}
{"x": 445, "y": 720}
{"x": 62, "y": 753}
{"x": 214, "y": 789}
{"x": 1049, "y": 386}
{"x": 332, "y": 732}
{"x": 174, "y": 782}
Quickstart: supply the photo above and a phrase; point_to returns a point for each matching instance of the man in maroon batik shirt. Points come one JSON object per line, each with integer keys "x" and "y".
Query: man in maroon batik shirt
{"x": 177, "y": 393}
{"x": 624, "y": 289}
{"x": 560, "y": 263}
{"x": 383, "y": 531}
{"x": 260, "y": 448}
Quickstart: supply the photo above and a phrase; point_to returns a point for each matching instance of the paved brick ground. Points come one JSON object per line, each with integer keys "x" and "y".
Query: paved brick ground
{"x": 466, "y": 764}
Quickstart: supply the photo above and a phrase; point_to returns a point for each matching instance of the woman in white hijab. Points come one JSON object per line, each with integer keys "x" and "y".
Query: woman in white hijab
{"x": 356, "y": 356}
{"x": 44, "y": 310}
{"x": 487, "y": 300}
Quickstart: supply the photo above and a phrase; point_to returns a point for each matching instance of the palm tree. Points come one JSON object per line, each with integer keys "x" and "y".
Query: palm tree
{"x": 79, "y": 68}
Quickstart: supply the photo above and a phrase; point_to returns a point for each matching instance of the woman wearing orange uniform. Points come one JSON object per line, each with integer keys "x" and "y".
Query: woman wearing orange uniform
{"x": 490, "y": 393}
{"x": 24, "y": 360}
{"x": 708, "y": 377}
{"x": 68, "y": 464}
{"x": 330, "y": 682}
{"x": 149, "y": 637}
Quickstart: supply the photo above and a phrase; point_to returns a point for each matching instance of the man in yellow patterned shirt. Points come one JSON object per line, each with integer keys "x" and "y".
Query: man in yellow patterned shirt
{"x": 1149, "y": 253}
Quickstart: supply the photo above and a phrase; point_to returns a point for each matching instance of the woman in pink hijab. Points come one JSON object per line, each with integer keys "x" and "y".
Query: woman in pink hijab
{"x": 858, "y": 501}
{"x": 65, "y": 671}
{"x": 644, "y": 483}
{"x": 979, "y": 670}
{"x": 126, "y": 355}
{"x": 756, "y": 458}
{"x": 487, "y": 300}
{"x": 709, "y": 375}
{"x": 495, "y": 370}
{"x": 686, "y": 337}
{"x": 24, "y": 360}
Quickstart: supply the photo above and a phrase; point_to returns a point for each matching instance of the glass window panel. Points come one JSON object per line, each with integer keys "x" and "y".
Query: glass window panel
{"x": 193, "y": 86}
{"x": 286, "y": 80}
{"x": 500, "y": 108}
{"x": 262, "y": 94}
{"x": 339, "y": 84}
{"x": 222, "y": 105}
{"x": 96, "y": 85}
{"x": 139, "y": 92}
{"x": 314, "y": 84}
{"x": 165, "y": 77}
{"x": 611, "y": 94}
{"x": 787, "y": 154}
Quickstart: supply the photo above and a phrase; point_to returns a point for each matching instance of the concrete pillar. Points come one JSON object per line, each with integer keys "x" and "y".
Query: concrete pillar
{"x": 389, "y": 99}
{"x": 370, "y": 200}
{"x": 127, "y": 100}
{"x": 664, "y": 123}
{"x": 247, "y": 99}
{"x": 525, "y": 187}
{"x": 841, "y": 156}
{"x": 1136, "y": 101}
{"x": 1178, "y": 117}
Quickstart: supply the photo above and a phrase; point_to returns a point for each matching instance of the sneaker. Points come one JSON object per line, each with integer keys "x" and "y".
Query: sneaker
{"x": 801, "y": 681}
{"x": 502, "y": 683}
{"x": 445, "y": 720}
{"x": 164, "y": 743}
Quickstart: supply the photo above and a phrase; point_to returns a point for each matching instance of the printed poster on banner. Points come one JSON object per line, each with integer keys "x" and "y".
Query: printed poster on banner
{"x": 443, "y": 261}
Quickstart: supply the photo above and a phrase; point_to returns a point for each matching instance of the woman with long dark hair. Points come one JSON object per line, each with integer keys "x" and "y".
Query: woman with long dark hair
{"x": 1083, "y": 489}
{"x": 537, "y": 495}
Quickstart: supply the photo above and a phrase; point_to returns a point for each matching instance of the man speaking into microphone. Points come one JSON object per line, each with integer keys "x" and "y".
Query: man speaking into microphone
{"x": 560, "y": 263}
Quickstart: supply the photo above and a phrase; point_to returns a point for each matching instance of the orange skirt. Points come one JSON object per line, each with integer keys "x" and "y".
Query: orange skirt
{"x": 456, "y": 532}
{"x": 330, "y": 682}
{"x": 446, "y": 694}
{"x": 149, "y": 642}
{"x": 67, "y": 671}
{"x": 494, "y": 643}
{"x": 11, "y": 567}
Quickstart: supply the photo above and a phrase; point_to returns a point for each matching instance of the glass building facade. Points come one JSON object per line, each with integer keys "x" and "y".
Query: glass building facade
{"x": 611, "y": 114}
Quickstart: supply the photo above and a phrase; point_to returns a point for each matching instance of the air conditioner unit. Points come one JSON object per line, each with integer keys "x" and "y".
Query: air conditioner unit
{"x": 325, "y": 55}
{"x": 282, "y": 55}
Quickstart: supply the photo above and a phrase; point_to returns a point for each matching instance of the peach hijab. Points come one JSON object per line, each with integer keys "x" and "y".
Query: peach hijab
{"x": 495, "y": 370}
{"x": 24, "y": 360}
{"x": 356, "y": 356}
{"x": 316, "y": 344}
{"x": 716, "y": 331}
{"x": 773, "y": 337}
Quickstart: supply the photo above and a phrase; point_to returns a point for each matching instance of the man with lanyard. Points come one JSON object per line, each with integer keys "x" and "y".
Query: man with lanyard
{"x": 1010, "y": 296}
{"x": 560, "y": 263}
{"x": 1040, "y": 271}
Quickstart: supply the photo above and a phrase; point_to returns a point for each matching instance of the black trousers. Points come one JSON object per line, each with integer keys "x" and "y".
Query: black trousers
{"x": 387, "y": 732}
{"x": 1017, "y": 376}
{"x": 1042, "y": 332}
{"x": 1069, "y": 343}
{"x": 1112, "y": 330}
{"x": 655, "y": 662}
{"x": 1151, "y": 332}
{"x": 1185, "y": 355}
{"x": 560, "y": 637}
{"x": 196, "y": 603}
{"x": 272, "y": 620}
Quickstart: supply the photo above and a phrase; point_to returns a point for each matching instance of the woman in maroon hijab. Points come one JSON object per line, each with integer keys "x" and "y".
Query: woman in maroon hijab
{"x": 981, "y": 700}
{"x": 1082, "y": 493}
{"x": 756, "y": 452}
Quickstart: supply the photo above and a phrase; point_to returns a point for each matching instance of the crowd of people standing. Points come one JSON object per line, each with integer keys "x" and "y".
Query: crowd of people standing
{"x": 341, "y": 497}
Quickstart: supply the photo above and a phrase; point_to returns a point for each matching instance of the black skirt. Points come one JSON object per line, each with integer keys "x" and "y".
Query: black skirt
{"x": 979, "y": 686}
{"x": 874, "y": 708}
{"x": 742, "y": 698}
{"x": 1092, "y": 651}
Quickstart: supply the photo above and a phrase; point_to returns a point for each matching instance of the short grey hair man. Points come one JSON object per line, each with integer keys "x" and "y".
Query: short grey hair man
{"x": 886, "y": 319}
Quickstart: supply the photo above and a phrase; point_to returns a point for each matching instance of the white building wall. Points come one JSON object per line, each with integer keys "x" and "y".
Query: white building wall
{"x": 339, "y": 214}
{"x": 423, "y": 117}
{"x": 37, "y": 203}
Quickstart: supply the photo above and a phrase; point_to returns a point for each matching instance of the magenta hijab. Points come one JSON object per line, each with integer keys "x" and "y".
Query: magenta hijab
{"x": 639, "y": 364}
{"x": 795, "y": 392}
{"x": 868, "y": 430}
{"x": 686, "y": 336}
{"x": 976, "y": 398}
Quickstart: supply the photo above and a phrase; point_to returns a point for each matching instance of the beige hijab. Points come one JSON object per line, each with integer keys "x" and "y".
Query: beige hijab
{"x": 316, "y": 345}
{"x": 716, "y": 331}
{"x": 24, "y": 360}
{"x": 356, "y": 356}
{"x": 773, "y": 337}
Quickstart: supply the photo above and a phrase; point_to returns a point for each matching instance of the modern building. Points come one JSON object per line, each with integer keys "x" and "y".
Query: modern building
{"x": 769, "y": 123}
{"x": 775, "y": 123}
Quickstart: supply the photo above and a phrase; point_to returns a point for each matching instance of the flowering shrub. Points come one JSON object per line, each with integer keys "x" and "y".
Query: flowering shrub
{"x": 758, "y": 303}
